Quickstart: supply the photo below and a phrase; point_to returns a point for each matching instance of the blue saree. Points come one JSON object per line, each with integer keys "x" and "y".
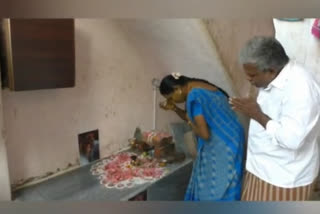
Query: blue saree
{"x": 217, "y": 170}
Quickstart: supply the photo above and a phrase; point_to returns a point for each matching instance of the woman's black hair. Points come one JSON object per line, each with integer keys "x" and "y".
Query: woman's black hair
{"x": 169, "y": 83}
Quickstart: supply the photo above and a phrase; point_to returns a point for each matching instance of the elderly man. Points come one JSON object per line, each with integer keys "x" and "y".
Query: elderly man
{"x": 283, "y": 156}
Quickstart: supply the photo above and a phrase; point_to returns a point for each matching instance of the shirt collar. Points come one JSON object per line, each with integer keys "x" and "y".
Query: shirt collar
{"x": 281, "y": 79}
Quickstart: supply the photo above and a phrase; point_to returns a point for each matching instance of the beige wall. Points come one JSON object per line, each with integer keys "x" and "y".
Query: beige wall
{"x": 115, "y": 63}
{"x": 179, "y": 45}
{"x": 299, "y": 43}
{"x": 229, "y": 36}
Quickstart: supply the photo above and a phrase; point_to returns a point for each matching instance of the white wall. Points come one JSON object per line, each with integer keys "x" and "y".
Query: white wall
{"x": 299, "y": 43}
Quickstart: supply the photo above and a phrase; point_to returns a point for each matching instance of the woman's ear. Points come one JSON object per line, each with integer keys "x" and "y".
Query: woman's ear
{"x": 176, "y": 89}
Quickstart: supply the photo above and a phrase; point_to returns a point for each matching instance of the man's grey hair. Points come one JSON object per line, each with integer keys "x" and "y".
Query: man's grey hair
{"x": 265, "y": 53}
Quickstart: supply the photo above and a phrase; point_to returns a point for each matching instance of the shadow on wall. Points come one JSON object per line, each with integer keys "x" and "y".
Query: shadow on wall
{"x": 143, "y": 42}
{"x": 134, "y": 33}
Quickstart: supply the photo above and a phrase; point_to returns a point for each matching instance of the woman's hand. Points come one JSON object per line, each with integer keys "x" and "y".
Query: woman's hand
{"x": 199, "y": 126}
{"x": 188, "y": 120}
{"x": 168, "y": 105}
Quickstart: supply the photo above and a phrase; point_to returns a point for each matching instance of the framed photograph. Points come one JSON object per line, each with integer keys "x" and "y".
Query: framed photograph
{"x": 89, "y": 147}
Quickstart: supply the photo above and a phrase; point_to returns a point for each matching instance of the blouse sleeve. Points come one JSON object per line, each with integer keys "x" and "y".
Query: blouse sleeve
{"x": 196, "y": 109}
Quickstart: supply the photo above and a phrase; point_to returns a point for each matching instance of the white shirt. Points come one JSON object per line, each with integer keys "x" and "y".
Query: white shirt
{"x": 286, "y": 154}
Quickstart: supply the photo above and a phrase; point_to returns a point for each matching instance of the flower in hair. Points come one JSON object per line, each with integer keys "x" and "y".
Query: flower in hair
{"x": 176, "y": 75}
